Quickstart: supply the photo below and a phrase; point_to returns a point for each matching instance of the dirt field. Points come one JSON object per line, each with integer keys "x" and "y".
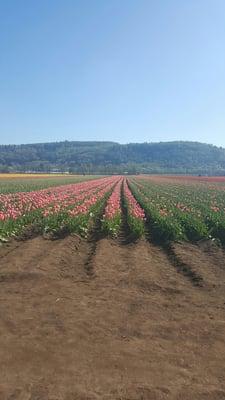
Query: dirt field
{"x": 108, "y": 320}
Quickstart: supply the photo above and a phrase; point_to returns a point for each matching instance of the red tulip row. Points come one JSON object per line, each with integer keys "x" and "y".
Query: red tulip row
{"x": 134, "y": 208}
{"x": 54, "y": 207}
{"x": 112, "y": 216}
{"x": 72, "y": 206}
{"x": 84, "y": 207}
{"x": 49, "y": 200}
{"x": 135, "y": 214}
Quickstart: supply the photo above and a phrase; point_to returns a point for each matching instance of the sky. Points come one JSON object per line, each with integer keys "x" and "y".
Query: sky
{"x": 125, "y": 71}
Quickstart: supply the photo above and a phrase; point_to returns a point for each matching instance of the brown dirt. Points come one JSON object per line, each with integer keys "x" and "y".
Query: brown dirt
{"x": 108, "y": 321}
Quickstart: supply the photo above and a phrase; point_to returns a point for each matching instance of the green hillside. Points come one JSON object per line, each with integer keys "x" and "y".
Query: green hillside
{"x": 110, "y": 157}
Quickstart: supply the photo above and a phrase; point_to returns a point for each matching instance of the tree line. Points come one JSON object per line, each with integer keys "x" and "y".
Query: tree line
{"x": 110, "y": 157}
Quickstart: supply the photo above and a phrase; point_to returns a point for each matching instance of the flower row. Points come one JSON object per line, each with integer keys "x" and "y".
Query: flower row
{"x": 111, "y": 221}
{"x": 112, "y": 218}
{"x": 69, "y": 206}
{"x": 50, "y": 200}
{"x": 182, "y": 211}
{"x": 135, "y": 213}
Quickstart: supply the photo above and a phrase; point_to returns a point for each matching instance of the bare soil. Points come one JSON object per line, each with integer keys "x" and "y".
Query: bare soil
{"x": 83, "y": 320}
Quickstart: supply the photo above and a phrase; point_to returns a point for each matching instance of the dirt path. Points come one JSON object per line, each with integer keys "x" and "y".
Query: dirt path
{"x": 136, "y": 327}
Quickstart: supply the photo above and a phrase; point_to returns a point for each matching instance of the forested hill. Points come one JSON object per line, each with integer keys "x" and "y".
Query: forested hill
{"x": 110, "y": 157}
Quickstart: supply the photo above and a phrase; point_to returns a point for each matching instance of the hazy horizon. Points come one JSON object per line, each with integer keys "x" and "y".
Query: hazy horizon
{"x": 110, "y": 71}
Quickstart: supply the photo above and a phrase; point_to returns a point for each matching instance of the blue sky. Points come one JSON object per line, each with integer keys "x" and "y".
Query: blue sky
{"x": 127, "y": 71}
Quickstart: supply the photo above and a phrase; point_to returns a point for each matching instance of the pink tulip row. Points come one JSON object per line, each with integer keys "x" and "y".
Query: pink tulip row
{"x": 113, "y": 205}
{"x": 51, "y": 200}
{"x": 76, "y": 200}
{"x": 134, "y": 208}
{"x": 84, "y": 207}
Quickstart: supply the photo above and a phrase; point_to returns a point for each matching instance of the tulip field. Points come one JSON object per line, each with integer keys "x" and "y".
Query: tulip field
{"x": 167, "y": 208}
{"x": 182, "y": 209}
{"x": 70, "y": 207}
{"x": 13, "y": 183}
{"x": 112, "y": 287}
